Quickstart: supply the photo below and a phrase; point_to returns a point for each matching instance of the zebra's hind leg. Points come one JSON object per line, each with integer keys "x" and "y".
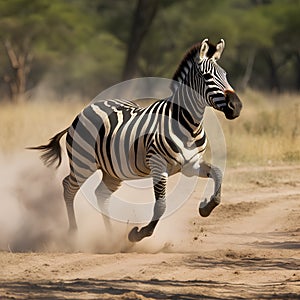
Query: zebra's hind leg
{"x": 210, "y": 171}
{"x": 105, "y": 189}
{"x": 160, "y": 183}
{"x": 70, "y": 189}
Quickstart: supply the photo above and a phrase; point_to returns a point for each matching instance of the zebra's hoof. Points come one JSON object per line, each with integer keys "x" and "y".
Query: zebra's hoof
{"x": 134, "y": 235}
{"x": 207, "y": 207}
{"x": 204, "y": 212}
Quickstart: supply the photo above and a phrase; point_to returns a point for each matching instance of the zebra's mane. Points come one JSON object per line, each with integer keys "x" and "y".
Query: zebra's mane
{"x": 187, "y": 61}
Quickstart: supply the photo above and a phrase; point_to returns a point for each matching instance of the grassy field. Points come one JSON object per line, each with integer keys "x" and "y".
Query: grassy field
{"x": 33, "y": 123}
{"x": 267, "y": 132}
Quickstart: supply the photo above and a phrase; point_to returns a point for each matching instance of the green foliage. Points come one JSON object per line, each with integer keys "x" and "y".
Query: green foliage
{"x": 46, "y": 25}
{"x": 80, "y": 46}
{"x": 95, "y": 66}
{"x": 250, "y": 30}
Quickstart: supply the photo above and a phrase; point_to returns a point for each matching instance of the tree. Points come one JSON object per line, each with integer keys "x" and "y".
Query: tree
{"x": 285, "y": 52}
{"x": 143, "y": 16}
{"x": 35, "y": 28}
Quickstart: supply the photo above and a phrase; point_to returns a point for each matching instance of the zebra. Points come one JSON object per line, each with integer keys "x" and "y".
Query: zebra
{"x": 126, "y": 141}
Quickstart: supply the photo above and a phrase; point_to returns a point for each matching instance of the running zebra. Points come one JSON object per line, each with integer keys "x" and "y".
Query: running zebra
{"x": 126, "y": 141}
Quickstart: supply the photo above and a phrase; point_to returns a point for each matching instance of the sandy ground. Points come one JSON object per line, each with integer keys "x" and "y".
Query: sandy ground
{"x": 249, "y": 248}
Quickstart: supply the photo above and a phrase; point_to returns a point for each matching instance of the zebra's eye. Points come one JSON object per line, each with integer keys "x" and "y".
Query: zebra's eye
{"x": 207, "y": 76}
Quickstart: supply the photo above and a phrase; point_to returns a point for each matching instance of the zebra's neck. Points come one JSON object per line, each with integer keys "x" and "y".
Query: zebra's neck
{"x": 186, "y": 89}
{"x": 186, "y": 65}
{"x": 189, "y": 106}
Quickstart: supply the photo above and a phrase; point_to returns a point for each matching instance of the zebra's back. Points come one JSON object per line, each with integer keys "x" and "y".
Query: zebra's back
{"x": 108, "y": 135}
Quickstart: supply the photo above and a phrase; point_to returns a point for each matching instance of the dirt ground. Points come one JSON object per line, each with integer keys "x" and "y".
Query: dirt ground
{"x": 249, "y": 248}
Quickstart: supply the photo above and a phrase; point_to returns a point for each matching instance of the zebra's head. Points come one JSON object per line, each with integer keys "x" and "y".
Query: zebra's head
{"x": 200, "y": 70}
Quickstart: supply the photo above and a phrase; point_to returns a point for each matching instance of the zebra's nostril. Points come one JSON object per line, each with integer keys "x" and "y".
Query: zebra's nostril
{"x": 231, "y": 105}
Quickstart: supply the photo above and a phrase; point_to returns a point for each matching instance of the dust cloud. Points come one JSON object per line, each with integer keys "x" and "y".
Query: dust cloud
{"x": 33, "y": 215}
{"x": 31, "y": 207}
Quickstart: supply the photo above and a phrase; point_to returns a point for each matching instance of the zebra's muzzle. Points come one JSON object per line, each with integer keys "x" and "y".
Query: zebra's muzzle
{"x": 233, "y": 105}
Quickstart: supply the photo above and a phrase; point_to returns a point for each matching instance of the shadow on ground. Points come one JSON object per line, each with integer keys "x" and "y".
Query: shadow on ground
{"x": 235, "y": 261}
{"x": 127, "y": 289}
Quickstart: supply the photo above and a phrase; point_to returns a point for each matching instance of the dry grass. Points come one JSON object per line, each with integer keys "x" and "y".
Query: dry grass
{"x": 267, "y": 131}
{"x": 33, "y": 123}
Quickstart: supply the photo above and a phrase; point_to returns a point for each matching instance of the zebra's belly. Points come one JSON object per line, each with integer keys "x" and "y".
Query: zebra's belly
{"x": 192, "y": 166}
{"x": 128, "y": 163}
{"x": 190, "y": 161}
{"x": 127, "y": 160}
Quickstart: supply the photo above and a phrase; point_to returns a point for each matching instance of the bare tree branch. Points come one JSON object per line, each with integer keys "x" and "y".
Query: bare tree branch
{"x": 11, "y": 54}
{"x": 20, "y": 64}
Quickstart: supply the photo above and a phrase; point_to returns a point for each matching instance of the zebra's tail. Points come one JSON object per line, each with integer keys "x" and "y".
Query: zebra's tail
{"x": 52, "y": 151}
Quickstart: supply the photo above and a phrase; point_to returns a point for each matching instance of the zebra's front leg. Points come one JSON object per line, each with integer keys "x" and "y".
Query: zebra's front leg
{"x": 160, "y": 184}
{"x": 210, "y": 171}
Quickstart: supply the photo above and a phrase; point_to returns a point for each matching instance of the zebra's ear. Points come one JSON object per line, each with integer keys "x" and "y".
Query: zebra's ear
{"x": 220, "y": 47}
{"x": 204, "y": 49}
